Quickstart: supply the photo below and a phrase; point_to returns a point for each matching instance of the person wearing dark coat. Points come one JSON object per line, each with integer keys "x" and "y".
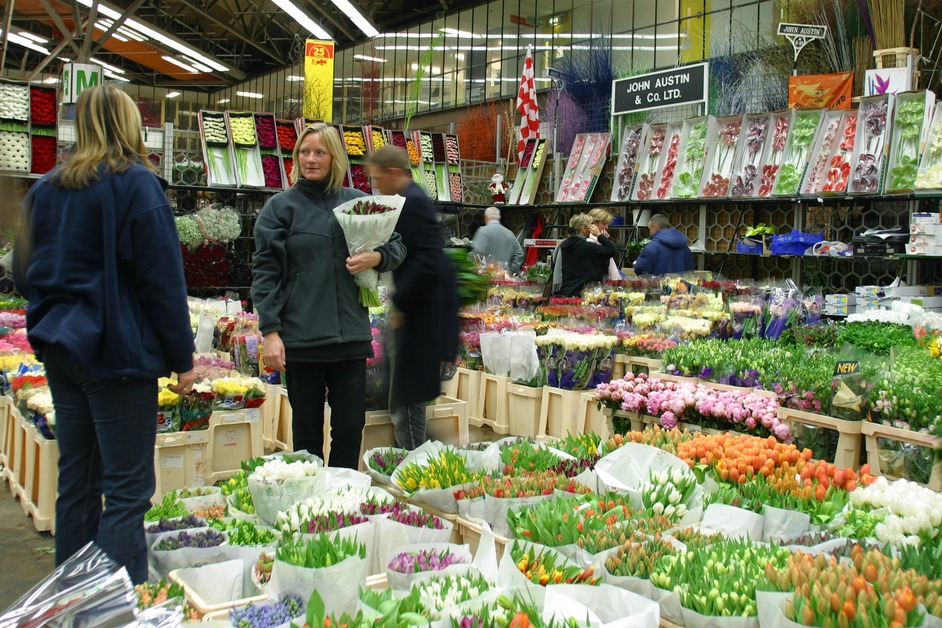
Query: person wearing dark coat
{"x": 577, "y": 261}
{"x": 424, "y": 303}
{"x": 666, "y": 253}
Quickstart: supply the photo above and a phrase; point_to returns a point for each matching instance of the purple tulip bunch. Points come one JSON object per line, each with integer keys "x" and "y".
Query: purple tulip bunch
{"x": 333, "y": 521}
{"x": 424, "y": 560}
{"x": 417, "y": 519}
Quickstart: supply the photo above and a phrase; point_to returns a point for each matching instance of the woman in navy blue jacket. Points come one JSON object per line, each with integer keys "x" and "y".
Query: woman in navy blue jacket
{"x": 99, "y": 261}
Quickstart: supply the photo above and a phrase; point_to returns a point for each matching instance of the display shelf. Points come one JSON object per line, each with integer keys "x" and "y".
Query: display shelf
{"x": 849, "y": 440}
{"x": 493, "y": 404}
{"x": 874, "y": 432}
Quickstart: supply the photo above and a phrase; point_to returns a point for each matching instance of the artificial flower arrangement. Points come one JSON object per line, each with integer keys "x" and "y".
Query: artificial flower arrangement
{"x": 534, "y": 172}
{"x": 929, "y": 176}
{"x": 569, "y": 175}
{"x": 838, "y": 174}
{"x": 628, "y": 161}
{"x": 873, "y": 121}
{"x": 801, "y": 137}
{"x": 651, "y": 146}
{"x": 667, "y": 165}
{"x": 722, "y": 151}
{"x": 698, "y": 137}
{"x": 576, "y": 361}
{"x": 744, "y": 179}
{"x": 829, "y": 137}
{"x": 780, "y": 124}
{"x": 590, "y": 165}
{"x": 911, "y": 122}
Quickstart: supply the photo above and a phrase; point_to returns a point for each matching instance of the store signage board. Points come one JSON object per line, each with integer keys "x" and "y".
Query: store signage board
{"x": 541, "y": 243}
{"x": 686, "y": 85}
{"x": 77, "y": 77}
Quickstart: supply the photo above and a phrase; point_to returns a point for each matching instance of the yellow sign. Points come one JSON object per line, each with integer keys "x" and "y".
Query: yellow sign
{"x": 319, "y": 79}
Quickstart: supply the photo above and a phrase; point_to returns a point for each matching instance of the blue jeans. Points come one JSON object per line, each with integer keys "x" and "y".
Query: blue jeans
{"x": 106, "y": 430}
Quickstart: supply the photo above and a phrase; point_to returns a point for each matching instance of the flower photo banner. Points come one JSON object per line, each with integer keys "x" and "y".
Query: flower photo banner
{"x": 827, "y": 91}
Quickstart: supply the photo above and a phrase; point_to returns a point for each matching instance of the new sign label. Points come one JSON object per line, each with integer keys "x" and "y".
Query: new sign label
{"x": 686, "y": 85}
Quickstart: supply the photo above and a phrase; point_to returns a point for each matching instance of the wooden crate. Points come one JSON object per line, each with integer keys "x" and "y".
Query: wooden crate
{"x": 4, "y": 421}
{"x": 42, "y": 478}
{"x": 11, "y": 430}
{"x": 637, "y": 425}
{"x": 282, "y": 432}
{"x": 233, "y": 437}
{"x": 620, "y": 367}
{"x": 637, "y": 364}
{"x": 17, "y": 479}
{"x": 471, "y": 535}
{"x": 270, "y": 414}
{"x": 180, "y": 460}
{"x": 447, "y": 421}
{"x": 468, "y": 389}
{"x": 592, "y": 417}
{"x": 849, "y": 434}
{"x": 523, "y": 406}
{"x": 874, "y": 431}
{"x": 667, "y": 377}
{"x": 768, "y": 394}
{"x": 559, "y": 412}
{"x": 493, "y": 404}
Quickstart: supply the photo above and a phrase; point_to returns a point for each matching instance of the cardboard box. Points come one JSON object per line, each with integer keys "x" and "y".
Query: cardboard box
{"x": 931, "y": 249}
{"x": 838, "y": 310}
{"x": 927, "y": 228}
{"x": 840, "y": 299}
{"x": 925, "y": 217}
{"x": 867, "y": 291}
{"x": 926, "y": 302}
{"x": 924, "y": 239}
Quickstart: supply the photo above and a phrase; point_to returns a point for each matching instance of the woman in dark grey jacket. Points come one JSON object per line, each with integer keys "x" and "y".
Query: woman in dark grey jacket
{"x": 315, "y": 330}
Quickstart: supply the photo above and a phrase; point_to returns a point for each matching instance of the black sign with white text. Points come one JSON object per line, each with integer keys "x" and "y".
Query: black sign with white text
{"x": 686, "y": 85}
{"x": 812, "y": 31}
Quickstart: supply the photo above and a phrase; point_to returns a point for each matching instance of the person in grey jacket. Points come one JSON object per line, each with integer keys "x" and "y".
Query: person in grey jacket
{"x": 315, "y": 330}
{"x": 496, "y": 242}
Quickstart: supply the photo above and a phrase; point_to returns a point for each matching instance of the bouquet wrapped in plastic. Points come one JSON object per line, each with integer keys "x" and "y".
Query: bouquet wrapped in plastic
{"x": 368, "y": 223}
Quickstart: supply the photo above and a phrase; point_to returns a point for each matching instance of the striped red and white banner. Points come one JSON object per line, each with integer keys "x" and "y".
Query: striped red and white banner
{"x": 527, "y": 105}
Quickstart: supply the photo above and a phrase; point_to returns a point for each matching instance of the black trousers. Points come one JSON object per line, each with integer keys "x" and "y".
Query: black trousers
{"x": 342, "y": 385}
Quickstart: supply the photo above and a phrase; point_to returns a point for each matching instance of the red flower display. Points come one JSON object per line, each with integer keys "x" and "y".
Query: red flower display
{"x": 265, "y": 131}
{"x": 287, "y": 136}
{"x": 271, "y": 171}
{"x": 42, "y": 105}
{"x": 361, "y": 181}
{"x": 44, "y": 149}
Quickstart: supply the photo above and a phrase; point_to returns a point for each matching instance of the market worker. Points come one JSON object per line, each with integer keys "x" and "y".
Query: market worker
{"x": 496, "y": 242}
{"x": 424, "y": 303}
{"x": 99, "y": 261}
{"x": 577, "y": 261}
{"x": 666, "y": 253}
{"x": 315, "y": 330}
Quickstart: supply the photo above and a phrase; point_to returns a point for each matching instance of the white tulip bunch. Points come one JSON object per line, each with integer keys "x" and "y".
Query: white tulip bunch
{"x": 277, "y": 471}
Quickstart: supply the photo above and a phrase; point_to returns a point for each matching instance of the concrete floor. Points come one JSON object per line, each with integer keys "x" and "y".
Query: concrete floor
{"x": 28, "y": 555}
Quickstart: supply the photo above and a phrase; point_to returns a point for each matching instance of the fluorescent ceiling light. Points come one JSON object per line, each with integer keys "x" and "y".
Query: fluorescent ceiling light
{"x": 302, "y": 19}
{"x": 36, "y": 38}
{"x": 104, "y": 28}
{"x": 368, "y": 58}
{"x": 177, "y": 63}
{"x": 172, "y": 94}
{"x": 26, "y": 43}
{"x": 107, "y": 66}
{"x": 116, "y": 77}
{"x": 199, "y": 66}
{"x": 356, "y": 17}
{"x": 222, "y": 102}
{"x": 51, "y": 80}
{"x": 294, "y": 78}
{"x": 455, "y": 31}
{"x": 167, "y": 41}
{"x": 250, "y": 95}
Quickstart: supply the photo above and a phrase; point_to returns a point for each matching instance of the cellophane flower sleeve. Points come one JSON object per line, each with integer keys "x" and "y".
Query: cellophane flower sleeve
{"x": 367, "y": 223}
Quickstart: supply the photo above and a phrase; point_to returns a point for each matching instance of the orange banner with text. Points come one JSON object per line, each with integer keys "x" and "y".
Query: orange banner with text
{"x": 318, "y": 79}
{"x": 830, "y": 91}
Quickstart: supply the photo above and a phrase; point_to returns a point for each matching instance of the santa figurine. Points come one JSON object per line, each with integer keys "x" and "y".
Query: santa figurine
{"x": 498, "y": 189}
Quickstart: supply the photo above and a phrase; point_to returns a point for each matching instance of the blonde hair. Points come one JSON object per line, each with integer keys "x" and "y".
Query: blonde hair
{"x": 330, "y": 138}
{"x": 580, "y": 222}
{"x": 108, "y": 131}
{"x": 601, "y": 216}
